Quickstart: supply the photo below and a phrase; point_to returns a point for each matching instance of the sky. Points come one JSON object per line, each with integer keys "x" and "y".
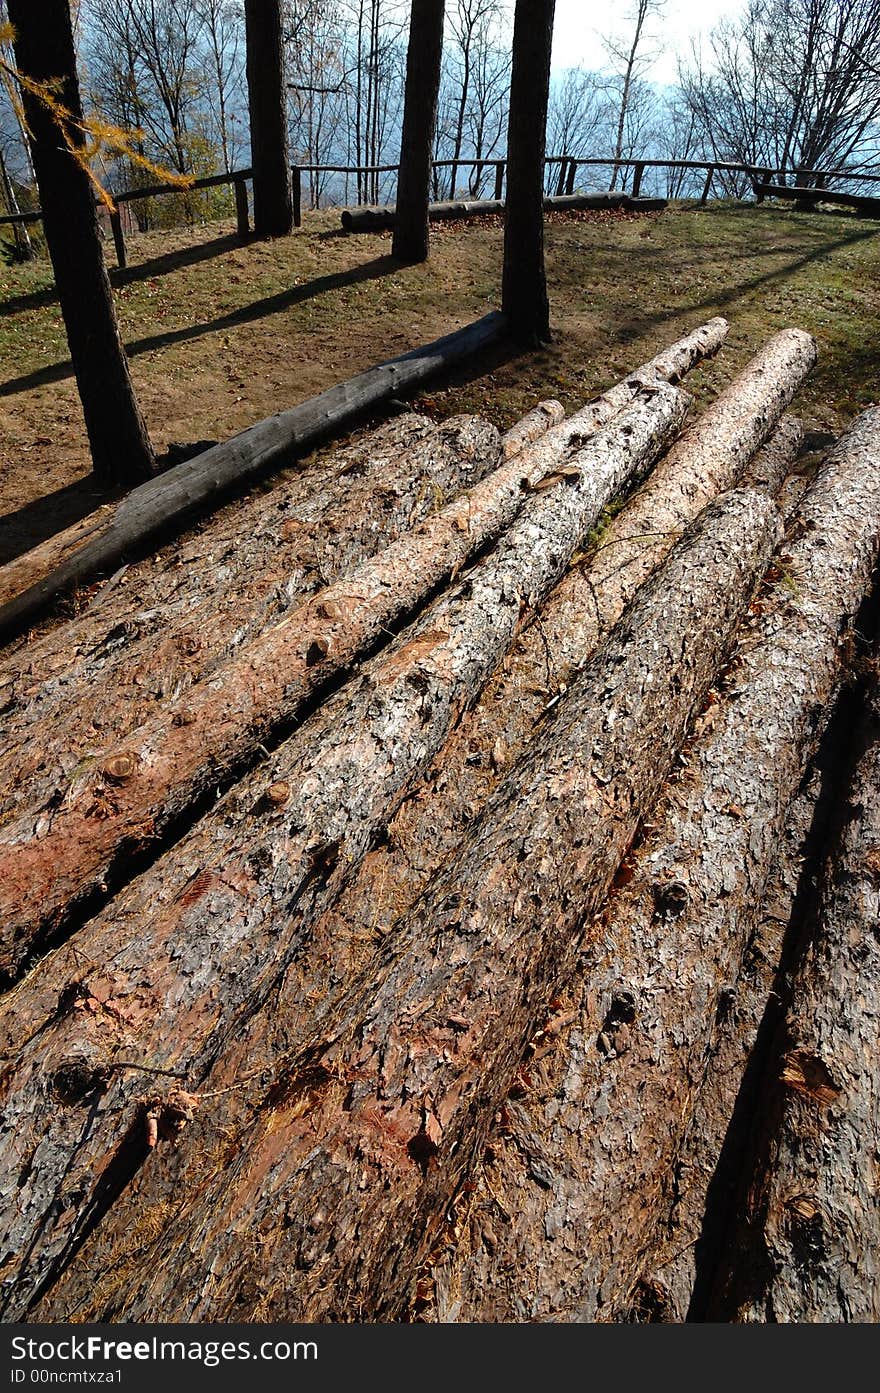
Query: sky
{"x": 580, "y": 24}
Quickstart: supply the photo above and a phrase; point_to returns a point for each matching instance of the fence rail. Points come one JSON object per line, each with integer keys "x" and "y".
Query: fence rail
{"x": 568, "y": 165}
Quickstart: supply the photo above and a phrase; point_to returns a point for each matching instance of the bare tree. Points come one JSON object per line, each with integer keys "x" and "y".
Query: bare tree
{"x": 790, "y": 85}
{"x": 44, "y": 52}
{"x": 220, "y": 19}
{"x": 630, "y": 55}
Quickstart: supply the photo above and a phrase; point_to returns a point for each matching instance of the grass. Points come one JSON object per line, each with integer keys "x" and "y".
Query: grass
{"x": 221, "y": 334}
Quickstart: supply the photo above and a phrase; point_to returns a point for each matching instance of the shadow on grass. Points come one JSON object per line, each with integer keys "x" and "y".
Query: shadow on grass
{"x": 31, "y": 524}
{"x": 246, "y": 314}
{"x": 156, "y": 266}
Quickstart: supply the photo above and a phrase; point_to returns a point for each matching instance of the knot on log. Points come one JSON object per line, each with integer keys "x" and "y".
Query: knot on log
{"x": 670, "y": 899}
{"x": 79, "y": 1079}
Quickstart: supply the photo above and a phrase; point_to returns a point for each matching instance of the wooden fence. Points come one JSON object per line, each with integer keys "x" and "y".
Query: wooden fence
{"x": 566, "y": 166}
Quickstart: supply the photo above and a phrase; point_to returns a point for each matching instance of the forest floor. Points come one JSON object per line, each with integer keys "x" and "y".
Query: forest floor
{"x": 223, "y": 334}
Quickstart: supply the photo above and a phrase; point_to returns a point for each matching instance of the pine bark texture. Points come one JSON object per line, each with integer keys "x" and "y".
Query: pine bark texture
{"x": 708, "y": 459}
{"x": 425, "y": 50}
{"x": 120, "y": 446}
{"x": 584, "y": 1170}
{"x": 172, "y": 620}
{"x": 533, "y": 425}
{"x": 267, "y": 107}
{"x": 164, "y": 503}
{"x": 679, "y": 1268}
{"x": 356, "y": 1148}
{"x": 57, "y": 856}
{"x": 806, "y": 1244}
{"x": 240, "y": 893}
{"x": 524, "y": 299}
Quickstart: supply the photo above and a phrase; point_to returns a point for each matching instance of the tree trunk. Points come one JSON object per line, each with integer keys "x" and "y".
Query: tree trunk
{"x": 770, "y": 466}
{"x": 410, "y": 242}
{"x": 168, "y": 624}
{"x": 524, "y": 299}
{"x": 120, "y": 446}
{"x": 805, "y": 1246}
{"x": 381, "y": 1114}
{"x": 708, "y": 459}
{"x": 267, "y": 105}
{"x": 609, "y": 1107}
{"x": 532, "y": 427}
{"x": 128, "y": 794}
{"x": 23, "y": 243}
{"x": 680, "y": 1265}
{"x": 177, "y": 495}
{"x": 313, "y": 810}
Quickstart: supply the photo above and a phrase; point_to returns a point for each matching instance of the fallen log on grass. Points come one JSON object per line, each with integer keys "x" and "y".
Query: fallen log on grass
{"x": 101, "y": 822}
{"x": 354, "y": 1153}
{"x": 864, "y": 205}
{"x": 166, "y": 501}
{"x": 382, "y": 219}
{"x": 584, "y": 1173}
{"x": 251, "y": 877}
{"x": 805, "y": 1244}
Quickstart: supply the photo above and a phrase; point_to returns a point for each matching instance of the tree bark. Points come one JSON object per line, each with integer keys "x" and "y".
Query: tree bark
{"x": 805, "y": 1245}
{"x": 680, "y": 1265}
{"x": 182, "y": 492}
{"x": 311, "y": 813}
{"x": 586, "y": 1168}
{"x": 532, "y": 427}
{"x": 524, "y": 300}
{"x": 383, "y": 1111}
{"x": 708, "y": 459}
{"x": 127, "y": 795}
{"x": 771, "y": 465}
{"x": 120, "y": 446}
{"x": 267, "y": 106}
{"x": 169, "y": 624}
{"x": 411, "y": 236}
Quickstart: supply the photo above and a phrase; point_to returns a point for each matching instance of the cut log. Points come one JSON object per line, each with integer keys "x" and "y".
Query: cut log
{"x": 708, "y": 459}
{"x": 171, "y": 498}
{"x": 806, "y": 1243}
{"x": 382, "y": 219}
{"x": 33, "y": 566}
{"x": 172, "y": 620}
{"x": 251, "y": 877}
{"x": 532, "y": 426}
{"x": 771, "y": 465}
{"x": 587, "y": 1164}
{"x": 41, "y": 894}
{"x": 680, "y": 1266}
{"x": 864, "y": 205}
{"x": 355, "y": 1152}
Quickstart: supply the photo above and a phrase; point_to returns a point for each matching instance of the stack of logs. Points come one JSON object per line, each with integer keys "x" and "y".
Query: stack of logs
{"x": 445, "y": 887}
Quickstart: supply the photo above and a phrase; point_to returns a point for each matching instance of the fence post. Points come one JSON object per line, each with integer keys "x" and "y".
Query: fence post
{"x": 708, "y": 184}
{"x": 118, "y": 238}
{"x": 241, "y": 208}
{"x": 560, "y": 182}
{"x": 821, "y": 180}
{"x": 499, "y": 180}
{"x": 297, "y": 193}
{"x": 569, "y": 182}
{"x": 637, "y": 180}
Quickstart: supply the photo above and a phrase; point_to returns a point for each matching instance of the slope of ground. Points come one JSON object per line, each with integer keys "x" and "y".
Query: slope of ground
{"x": 222, "y": 334}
